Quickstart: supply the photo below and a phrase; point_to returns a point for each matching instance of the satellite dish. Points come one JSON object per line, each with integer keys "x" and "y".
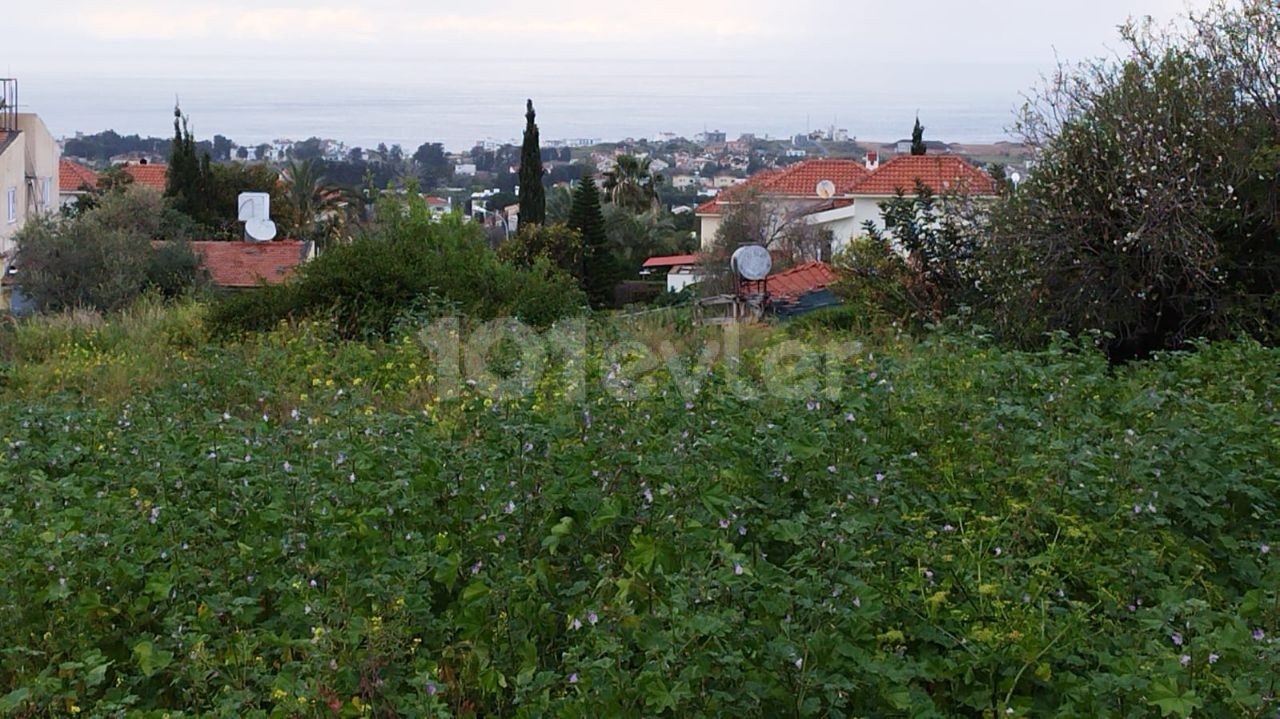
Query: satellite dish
{"x": 752, "y": 262}
{"x": 1015, "y": 178}
{"x": 260, "y": 230}
{"x": 826, "y": 189}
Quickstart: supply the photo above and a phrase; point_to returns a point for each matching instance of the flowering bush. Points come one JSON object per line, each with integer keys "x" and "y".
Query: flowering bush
{"x": 298, "y": 526}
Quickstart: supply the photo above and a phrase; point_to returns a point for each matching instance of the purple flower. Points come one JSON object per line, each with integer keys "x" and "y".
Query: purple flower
{"x": 948, "y": 528}
{"x": 592, "y": 618}
{"x": 432, "y": 689}
{"x": 742, "y": 531}
{"x": 1137, "y": 509}
{"x": 879, "y": 476}
{"x": 1264, "y": 549}
{"x": 831, "y": 469}
{"x": 1177, "y": 639}
{"x": 510, "y": 508}
{"x": 573, "y": 678}
{"x": 288, "y": 467}
{"x": 576, "y": 624}
{"x": 849, "y": 417}
{"x": 1259, "y": 635}
{"x": 724, "y": 524}
{"x": 737, "y": 568}
{"x": 875, "y": 501}
{"x": 1213, "y": 658}
{"x": 1184, "y": 659}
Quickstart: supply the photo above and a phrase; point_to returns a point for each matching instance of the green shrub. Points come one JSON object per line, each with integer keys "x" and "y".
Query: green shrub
{"x": 411, "y": 262}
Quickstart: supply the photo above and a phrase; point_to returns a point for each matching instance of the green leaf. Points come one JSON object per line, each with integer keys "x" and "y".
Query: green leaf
{"x": 151, "y": 660}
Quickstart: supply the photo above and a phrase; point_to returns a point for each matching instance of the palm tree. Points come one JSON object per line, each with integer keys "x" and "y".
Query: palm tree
{"x": 317, "y": 206}
{"x": 631, "y": 184}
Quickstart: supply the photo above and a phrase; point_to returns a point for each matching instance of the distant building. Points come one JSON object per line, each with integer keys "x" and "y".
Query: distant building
{"x": 74, "y": 181}
{"x": 684, "y": 182}
{"x": 465, "y": 169}
{"x": 713, "y": 137}
{"x": 841, "y": 196}
{"x": 681, "y": 270}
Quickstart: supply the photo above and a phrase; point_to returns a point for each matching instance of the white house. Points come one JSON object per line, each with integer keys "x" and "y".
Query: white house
{"x": 684, "y": 182}
{"x": 682, "y": 270}
{"x": 841, "y": 196}
{"x": 29, "y": 175}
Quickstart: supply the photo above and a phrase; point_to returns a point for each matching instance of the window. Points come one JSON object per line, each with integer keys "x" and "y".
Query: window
{"x": 13, "y": 205}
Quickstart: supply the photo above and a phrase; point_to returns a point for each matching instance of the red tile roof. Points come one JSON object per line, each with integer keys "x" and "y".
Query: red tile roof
{"x": 249, "y": 264}
{"x": 851, "y": 177}
{"x": 73, "y": 177}
{"x": 802, "y": 178}
{"x": 800, "y": 280}
{"x": 154, "y": 176}
{"x": 940, "y": 173}
{"x": 671, "y": 261}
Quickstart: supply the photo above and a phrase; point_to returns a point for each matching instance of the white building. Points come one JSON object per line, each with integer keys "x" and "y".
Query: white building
{"x": 29, "y": 177}
{"x": 841, "y": 196}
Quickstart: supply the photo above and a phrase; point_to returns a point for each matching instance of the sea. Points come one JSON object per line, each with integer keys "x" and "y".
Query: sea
{"x": 459, "y": 104}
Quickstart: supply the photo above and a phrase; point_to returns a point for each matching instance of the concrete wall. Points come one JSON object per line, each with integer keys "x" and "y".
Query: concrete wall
{"x": 13, "y": 173}
{"x": 42, "y": 157}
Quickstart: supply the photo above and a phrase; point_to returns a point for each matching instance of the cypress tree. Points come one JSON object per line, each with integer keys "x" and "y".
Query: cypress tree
{"x": 917, "y": 139}
{"x": 188, "y": 178}
{"x": 599, "y": 271}
{"x": 533, "y": 198}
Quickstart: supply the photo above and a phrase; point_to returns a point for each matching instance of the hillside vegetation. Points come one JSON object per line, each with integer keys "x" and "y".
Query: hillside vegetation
{"x": 294, "y": 525}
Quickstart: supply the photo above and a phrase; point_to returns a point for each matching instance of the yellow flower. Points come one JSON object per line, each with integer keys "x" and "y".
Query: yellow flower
{"x": 133, "y": 493}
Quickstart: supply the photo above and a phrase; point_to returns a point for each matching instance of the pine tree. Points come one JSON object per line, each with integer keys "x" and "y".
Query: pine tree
{"x": 917, "y": 139}
{"x": 599, "y": 270}
{"x": 533, "y": 198}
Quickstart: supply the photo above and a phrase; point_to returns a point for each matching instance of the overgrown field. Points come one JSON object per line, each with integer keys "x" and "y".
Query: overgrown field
{"x": 296, "y": 526}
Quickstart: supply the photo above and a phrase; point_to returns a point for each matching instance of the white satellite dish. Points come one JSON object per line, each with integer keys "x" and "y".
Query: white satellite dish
{"x": 826, "y": 189}
{"x": 752, "y": 262}
{"x": 1015, "y": 178}
{"x": 260, "y": 230}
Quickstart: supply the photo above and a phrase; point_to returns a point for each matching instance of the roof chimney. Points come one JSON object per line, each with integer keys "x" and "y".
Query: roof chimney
{"x": 873, "y": 160}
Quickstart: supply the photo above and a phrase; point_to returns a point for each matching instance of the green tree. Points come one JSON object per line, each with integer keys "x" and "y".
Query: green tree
{"x": 557, "y": 243}
{"x": 599, "y": 270}
{"x": 631, "y": 184}
{"x": 533, "y": 200}
{"x": 917, "y": 139}
{"x": 183, "y": 183}
{"x": 315, "y": 206}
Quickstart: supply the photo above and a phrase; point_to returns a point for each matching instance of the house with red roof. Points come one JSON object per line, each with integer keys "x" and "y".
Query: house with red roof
{"x": 841, "y": 196}
{"x": 682, "y": 270}
{"x": 74, "y": 181}
{"x": 244, "y": 265}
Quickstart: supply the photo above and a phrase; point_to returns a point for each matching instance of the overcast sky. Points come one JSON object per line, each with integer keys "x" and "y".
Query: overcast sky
{"x": 395, "y": 37}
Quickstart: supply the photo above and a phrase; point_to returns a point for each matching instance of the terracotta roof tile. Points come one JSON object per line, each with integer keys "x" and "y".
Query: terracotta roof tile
{"x": 154, "y": 176}
{"x": 791, "y": 284}
{"x": 72, "y": 176}
{"x": 802, "y": 178}
{"x": 940, "y": 173}
{"x": 249, "y": 264}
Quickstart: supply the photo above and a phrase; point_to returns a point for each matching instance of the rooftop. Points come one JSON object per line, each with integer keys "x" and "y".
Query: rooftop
{"x": 800, "y": 280}
{"x": 73, "y": 177}
{"x": 151, "y": 175}
{"x": 670, "y": 261}
{"x": 250, "y": 264}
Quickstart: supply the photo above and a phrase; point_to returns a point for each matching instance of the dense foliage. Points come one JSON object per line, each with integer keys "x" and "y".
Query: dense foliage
{"x": 298, "y": 527}
{"x": 105, "y": 257}
{"x": 412, "y": 263}
{"x": 1151, "y": 213}
{"x": 599, "y": 268}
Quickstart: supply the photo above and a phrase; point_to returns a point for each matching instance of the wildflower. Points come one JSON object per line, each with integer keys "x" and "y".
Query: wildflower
{"x": 475, "y": 568}
{"x": 288, "y": 467}
{"x": 737, "y": 569}
{"x": 573, "y": 678}
{"x": 1213, "y": 658}
{"x": 1177, "y": 639}
{"x": 875, "y": 501}
{"x": 724, "y": 524}
{"x": 1184, "y": 660}
{"x": 742, "y": 531}
{"x": 879, "y": 476}
{"x": 592, "y": 618}
{"x": 998, "y": 551}
{"x": 1264, "y": 549}
{"x": 1137, "y": 509}
{"x": 948, "y": 528}
{"x": 432, "y": 689}
{"x": 293, "y": 414}
{"x": 857, "y": 602}
{"x": 576, "y": 624}
{"x": 799, "y": 663}
{"x": 648, "y": 496}
{"x": 849, "y": 417}
{"x": 1259, "y": 635}
{"x": 1151, "y": 508}
{"x": 510, "y": 508}
{"x": 831, "y": 469}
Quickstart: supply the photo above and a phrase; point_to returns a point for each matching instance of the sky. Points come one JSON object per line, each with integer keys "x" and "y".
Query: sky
{"x": 989, "y": 50}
